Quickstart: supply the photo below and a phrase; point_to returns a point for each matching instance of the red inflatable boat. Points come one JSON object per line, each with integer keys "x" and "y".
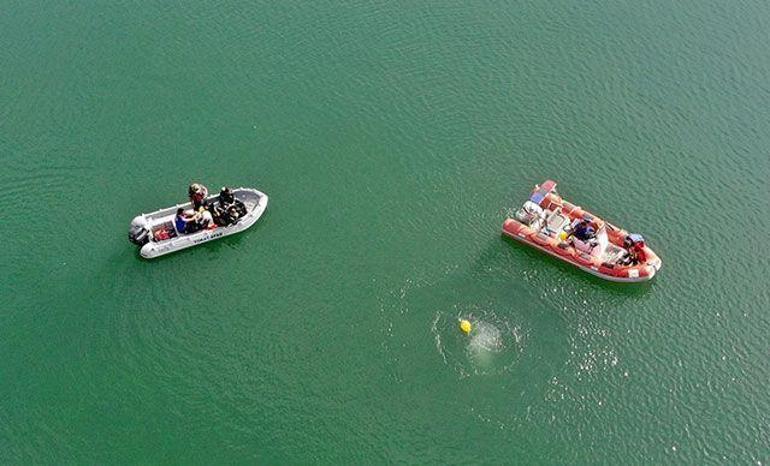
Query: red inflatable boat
{"x": 564, "y": 230}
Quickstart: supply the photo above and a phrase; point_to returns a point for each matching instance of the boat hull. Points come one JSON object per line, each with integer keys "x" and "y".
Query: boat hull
{"x": 652, "y": 269}
{"x": 550, "y": 232}
{"x": 255, "y": 201}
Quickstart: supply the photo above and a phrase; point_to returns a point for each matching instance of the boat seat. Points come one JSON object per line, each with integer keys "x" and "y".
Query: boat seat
{"x": 583, "y": 246}
{"x": 165, "y": 230}
{"x": 556, "y": 222}
{"x": 613, "y": 254}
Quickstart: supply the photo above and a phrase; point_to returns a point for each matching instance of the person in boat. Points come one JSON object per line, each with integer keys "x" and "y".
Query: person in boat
{"x": 221, "y": 215}
{"x": 197, "y": 221}
{"x": 226, "y": 196}
{"x": 203, "y": 215}
{"x": 197, "y": 193}
{"x": 634, "y": 244}
{"x": 230, "y": 209}
{"x": 584, "y": 231}
{"x": 184, "y": 223}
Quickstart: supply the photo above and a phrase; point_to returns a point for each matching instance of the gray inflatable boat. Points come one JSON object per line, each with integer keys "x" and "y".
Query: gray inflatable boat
{"x": 157, "y": 235}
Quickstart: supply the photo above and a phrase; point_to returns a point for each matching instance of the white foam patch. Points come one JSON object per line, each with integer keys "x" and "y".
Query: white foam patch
{"x": 493, "y": 346}
{"x": 485, "y": 341}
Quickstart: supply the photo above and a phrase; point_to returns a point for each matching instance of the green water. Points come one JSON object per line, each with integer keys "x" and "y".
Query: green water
{"x": 393, "y": 138}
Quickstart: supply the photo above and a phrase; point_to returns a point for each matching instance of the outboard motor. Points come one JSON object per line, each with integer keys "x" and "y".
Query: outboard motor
{"x": 138, "y": 232}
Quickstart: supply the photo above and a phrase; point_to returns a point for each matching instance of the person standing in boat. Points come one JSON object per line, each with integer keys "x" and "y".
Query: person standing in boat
{"x": 197, "y": 193}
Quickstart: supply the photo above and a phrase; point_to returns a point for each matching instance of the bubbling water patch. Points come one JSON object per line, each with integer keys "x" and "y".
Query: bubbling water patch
{"x": 485, "y": 341}
{"x": 494, "y": 345}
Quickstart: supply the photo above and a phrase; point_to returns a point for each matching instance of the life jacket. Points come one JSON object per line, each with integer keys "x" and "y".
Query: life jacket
{"x": 197, "y": 192}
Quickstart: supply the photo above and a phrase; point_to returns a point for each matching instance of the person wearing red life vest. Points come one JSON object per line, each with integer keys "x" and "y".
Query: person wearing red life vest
{"x": 634, "y": 243}
{"x": 197, "y": 193}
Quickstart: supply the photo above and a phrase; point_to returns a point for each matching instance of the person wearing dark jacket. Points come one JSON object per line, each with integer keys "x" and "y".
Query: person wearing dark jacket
{"x": 584, "y": 231}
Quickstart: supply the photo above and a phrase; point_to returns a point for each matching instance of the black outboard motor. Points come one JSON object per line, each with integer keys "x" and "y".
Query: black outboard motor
{"x": 138, "y": 232}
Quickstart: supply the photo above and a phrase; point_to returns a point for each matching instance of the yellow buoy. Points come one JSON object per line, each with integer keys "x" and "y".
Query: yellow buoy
{"x": 465, "y": 326}
{"x": 563, "y": 235}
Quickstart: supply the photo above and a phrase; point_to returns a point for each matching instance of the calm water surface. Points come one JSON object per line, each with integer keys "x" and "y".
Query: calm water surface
{"x": 393, "y": 138}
